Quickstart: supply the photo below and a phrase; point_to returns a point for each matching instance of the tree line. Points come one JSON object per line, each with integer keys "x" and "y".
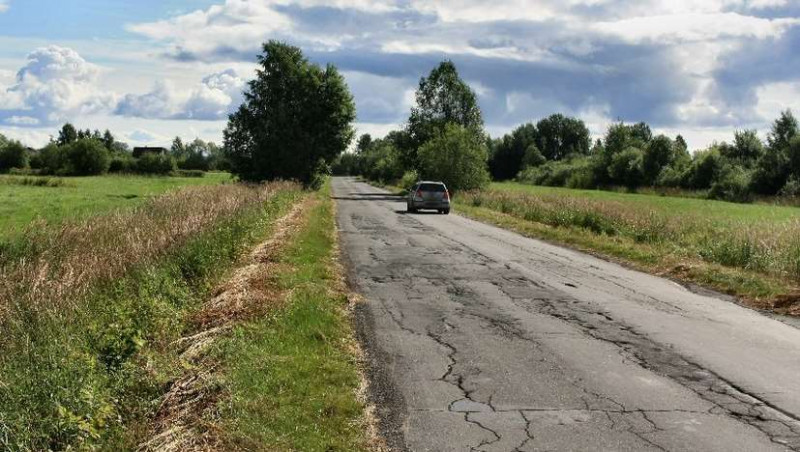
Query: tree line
{"x": 444, "y": 139}
{"x": 76, "y": 152}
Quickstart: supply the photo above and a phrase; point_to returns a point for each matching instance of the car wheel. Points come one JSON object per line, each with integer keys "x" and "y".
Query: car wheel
{"x": 447, "y": 211}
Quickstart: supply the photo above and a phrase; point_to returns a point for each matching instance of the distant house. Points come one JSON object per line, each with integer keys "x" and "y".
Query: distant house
{"x": 138, "y": 152}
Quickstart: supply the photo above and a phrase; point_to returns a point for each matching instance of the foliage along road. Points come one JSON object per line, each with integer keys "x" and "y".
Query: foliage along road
{"x": 480, "y": 339}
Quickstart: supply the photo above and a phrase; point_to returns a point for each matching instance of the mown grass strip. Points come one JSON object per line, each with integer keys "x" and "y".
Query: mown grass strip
{"x": 88, "y": 377}
{"x": 292, "y": 376}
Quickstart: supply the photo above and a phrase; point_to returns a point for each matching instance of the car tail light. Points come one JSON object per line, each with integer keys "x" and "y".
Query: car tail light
{"x": 447, "y": 195}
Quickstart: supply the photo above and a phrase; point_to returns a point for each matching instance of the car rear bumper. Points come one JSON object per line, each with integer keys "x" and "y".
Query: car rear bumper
{"x": 436, "y": 205}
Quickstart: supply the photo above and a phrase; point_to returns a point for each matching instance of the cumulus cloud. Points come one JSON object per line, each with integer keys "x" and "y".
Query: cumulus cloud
{"x": 55, "y": 84}
{"x": 653, "y": 60}
{"x": 215, "y": 97}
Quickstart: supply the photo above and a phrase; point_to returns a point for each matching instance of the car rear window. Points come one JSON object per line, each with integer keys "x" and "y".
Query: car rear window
{"x": 432, "y": 187}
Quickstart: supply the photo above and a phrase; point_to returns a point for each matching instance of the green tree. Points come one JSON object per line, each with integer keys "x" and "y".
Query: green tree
{"x": 442, "y": 98}
{"x": 196, "y": 156}
{"x": 67, "y": 135}
{"x": 109, "y": 141}
{"x": 658, "y": 154}
{"x": 627, "y": 168}
{"x": 783, "y": 130}
{"x": 533, "y": 157}
{"x": 559, "y": 137}
{"x": 457, "y": 156}
{"x": 507, "y": 157}
{"x": 87, "y": 156}
{"x": 747, "y": 148}
{"x": 178, "y": 149}
{"x": 773, "y": 169}
{"x": 364, "y": 141}
{"x": 706, "y": 167}
{"x": 12, "y": 155}
{"x": 295, "y": 115}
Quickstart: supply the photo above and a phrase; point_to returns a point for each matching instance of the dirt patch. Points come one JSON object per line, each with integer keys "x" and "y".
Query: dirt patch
{"x": 185, "y": 418}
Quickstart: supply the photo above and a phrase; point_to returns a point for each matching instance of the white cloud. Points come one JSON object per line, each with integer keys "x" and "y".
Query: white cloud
{"x": 215, "y": 97}
{"x": 22, "y": 121}
{"x": 237, "y": 24}
{"x": 3, "y": 6}
{"x": 161, "y": 102}
{"x": 677, "y": 28}
{"x": 54, "y": 85}
{"x": 774, "y": 98}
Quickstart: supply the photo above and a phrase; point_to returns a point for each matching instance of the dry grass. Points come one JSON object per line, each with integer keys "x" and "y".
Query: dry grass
{"x": 88, "y": 311}
{"x": 756, "y": 248}
{"x": 51, "y": 270}
{"x": 185, "y": 418}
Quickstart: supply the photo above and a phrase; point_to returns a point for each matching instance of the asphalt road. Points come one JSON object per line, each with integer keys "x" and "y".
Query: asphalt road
{"x": 480, "y": 339}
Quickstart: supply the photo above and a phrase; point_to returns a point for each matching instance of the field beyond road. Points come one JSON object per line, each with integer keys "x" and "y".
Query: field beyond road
{"x": 21, "y": 202}
{"x": 748, "y": 250}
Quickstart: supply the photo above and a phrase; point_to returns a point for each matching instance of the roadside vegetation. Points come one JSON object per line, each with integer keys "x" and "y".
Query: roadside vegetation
{"x": 291, "y": 375}
{"x": 89, "y": 309}
{"x": 748, "y": 250}
{"x": 33, "y": 201}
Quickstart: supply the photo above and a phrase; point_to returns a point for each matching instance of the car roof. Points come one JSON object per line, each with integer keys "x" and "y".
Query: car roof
{"x": 430, "y": 182}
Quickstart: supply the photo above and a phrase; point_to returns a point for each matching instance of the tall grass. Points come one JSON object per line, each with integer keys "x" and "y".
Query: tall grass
{"x": 764, "y": 247}
{"x": 88, "y": 309}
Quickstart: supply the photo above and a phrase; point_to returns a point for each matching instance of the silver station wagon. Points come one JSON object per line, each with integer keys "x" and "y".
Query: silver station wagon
{"x": 429, "y": 195}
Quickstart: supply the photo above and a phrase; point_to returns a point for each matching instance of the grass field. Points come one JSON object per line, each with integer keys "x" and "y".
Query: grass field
{"x": 89, "y": 311}
{"x": 720, "y": 211}
{"x": 80, "y": 197}
{"x": 749, "y": 250}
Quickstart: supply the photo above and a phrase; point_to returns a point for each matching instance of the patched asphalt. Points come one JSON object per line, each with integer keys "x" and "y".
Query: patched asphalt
{"x": 481, "y": 339}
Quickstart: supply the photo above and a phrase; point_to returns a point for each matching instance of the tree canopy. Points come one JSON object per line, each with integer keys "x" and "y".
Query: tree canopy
{"x": 296, "y": 115}
{"x": 442, "y": 98}
{"x": 455, "y": 156}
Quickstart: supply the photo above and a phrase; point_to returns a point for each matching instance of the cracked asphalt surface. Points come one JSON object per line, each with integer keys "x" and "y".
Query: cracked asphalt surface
{"x": 482, "y": 340}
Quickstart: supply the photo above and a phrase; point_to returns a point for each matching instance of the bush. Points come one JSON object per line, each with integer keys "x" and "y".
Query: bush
{"x": 122, "y": 163}
{"x": 382, "y": 162}
{"x": 346, "y": 164}
{"x": 53, "y": 159}
{"x": 670, "y": 177}
{"x": 409, "y": 179}
{"x": 87, "y": 157}
{"x": 792, "y": 188}
{"x": 322, "y": 171}
{"x": 582, "y": 177}
{"x": 733, "y": 184}
{"x": 704, "y": 169}
{"x": 195, "y": 161}
{"x": 627, "y": 168}
{"x": 458, "y": 157}
{"x": 151, "y": 163}
{"x": 13, "y": 155}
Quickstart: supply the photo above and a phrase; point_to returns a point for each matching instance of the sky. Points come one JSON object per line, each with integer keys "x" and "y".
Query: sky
{"x": 150, "y": 70}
